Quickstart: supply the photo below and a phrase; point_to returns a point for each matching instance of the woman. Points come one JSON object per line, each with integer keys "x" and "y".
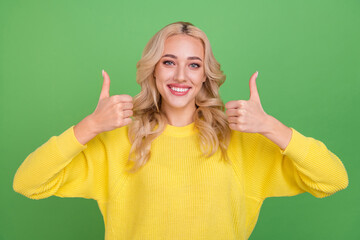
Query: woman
{"x": 181, "y": 168}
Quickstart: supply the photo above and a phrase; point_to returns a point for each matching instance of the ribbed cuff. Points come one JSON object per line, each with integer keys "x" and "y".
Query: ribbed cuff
{"x": 297, "y": 146}
{"x": 68, "y": 143}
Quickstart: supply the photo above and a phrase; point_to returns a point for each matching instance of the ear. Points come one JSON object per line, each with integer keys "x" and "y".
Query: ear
{"x": 204, "y": 79}
{"x": 154, "y": 70}
{"x": 153, "y": 73}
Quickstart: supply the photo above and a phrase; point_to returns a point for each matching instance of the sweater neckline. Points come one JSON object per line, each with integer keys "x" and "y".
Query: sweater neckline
{"x": 180, "y": 131}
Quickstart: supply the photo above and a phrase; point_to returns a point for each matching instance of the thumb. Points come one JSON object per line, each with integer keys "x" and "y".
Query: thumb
{"x": 105, "y": 91}
{"x": 254, "y": 94}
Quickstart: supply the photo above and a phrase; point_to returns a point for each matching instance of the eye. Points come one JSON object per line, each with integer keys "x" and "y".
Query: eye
{"x": 195, "y": 65}
{"x": 168, "y": 62}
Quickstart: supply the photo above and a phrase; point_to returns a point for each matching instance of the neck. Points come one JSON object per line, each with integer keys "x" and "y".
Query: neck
{"x": 179, "y": 117}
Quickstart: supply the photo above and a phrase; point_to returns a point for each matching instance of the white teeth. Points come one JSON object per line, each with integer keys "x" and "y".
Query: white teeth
{"x": 179, "y": 89}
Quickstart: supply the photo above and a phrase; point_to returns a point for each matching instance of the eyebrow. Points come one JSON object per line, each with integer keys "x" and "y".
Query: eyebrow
{"x": 173, "y": 56}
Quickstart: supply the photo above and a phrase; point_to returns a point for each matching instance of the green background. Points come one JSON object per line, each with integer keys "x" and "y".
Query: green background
{"x": 307, "y": 54}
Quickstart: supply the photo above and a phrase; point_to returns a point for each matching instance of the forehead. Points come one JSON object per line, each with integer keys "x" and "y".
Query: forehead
{"x": 184, "y": 45}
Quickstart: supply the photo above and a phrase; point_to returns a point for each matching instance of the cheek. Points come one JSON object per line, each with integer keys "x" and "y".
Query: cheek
{"x": 199, "y": 78}
{"x": 158, "y": 85}
{"x": 162, "y": 75}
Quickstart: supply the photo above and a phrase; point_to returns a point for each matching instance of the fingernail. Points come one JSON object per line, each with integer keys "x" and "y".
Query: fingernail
{"x": 257, "y": 73}
{"x": 102, "y": 72}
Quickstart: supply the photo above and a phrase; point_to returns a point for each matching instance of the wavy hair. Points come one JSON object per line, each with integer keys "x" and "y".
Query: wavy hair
{"x": 149, "y": 122}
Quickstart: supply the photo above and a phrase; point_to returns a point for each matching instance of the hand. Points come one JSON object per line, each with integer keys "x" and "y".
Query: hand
{"x": 111, "y": 112}
{"x": 247, "y": 116}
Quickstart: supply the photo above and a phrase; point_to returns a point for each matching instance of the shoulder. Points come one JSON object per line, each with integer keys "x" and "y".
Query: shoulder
{"x": 252, "y": 146}
{"x": 249, "y": 140}
{"x": 116, "y": 136}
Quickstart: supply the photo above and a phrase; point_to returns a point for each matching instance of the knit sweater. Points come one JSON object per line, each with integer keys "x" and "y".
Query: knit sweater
{"x": 179, "y": 193}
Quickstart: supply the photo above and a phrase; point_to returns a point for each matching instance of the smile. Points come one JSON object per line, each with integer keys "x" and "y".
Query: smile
{"x": 179, "y": 91}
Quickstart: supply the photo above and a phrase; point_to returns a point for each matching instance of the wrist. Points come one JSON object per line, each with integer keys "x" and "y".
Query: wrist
{"x": 270, "y": 126}
{"x": 85, "y": 130}
{"x": 91, "y": 125}
{"x": 277, "y": 132}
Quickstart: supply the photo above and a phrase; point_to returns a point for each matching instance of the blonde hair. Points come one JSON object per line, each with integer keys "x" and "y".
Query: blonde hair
{"x": 149, "y": 122}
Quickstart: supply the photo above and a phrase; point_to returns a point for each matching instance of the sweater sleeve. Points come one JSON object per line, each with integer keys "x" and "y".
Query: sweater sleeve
{"x": 306, "y": 165}
{"x": 64, "y": 167}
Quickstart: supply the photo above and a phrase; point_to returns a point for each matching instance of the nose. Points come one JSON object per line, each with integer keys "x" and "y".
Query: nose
{"x": 180, "y": 74}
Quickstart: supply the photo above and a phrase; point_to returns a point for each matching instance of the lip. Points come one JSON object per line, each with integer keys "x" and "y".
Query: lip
{"x": 178, "y": 86}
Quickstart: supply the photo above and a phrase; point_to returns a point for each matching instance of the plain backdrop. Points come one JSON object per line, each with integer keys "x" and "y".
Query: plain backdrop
{"x": 52, "y": 53}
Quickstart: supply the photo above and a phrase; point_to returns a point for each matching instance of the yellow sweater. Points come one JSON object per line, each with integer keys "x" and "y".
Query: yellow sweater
{"x": 179, "y": 194}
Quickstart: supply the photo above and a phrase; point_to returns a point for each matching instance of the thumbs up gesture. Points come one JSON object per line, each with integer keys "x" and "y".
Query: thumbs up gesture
{"x": 247, "y": 116}
{"x": 112, "y": 111}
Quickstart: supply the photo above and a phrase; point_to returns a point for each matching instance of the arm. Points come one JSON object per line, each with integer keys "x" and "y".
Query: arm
{"x": 316, "y": 169}
{"x": 74, "y": 163}
{"x": 279, "y": 161}
{"x": 306, "y": 165}
{"x": 63, "y": 167}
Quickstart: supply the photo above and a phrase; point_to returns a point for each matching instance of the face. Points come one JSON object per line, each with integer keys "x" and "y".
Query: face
{"x": 180, "y": 73}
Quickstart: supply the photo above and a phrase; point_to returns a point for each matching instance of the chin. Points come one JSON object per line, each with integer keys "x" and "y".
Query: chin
{"x": 178, "y": 104}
